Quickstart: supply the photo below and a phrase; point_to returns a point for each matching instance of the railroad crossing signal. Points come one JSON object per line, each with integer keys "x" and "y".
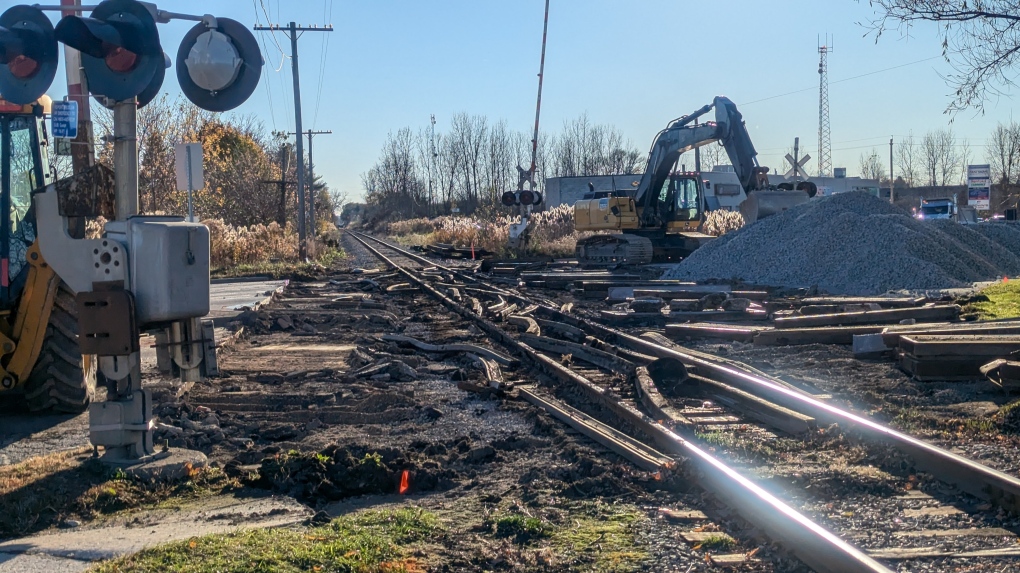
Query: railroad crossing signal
{"x": 28, "y": 50}
{"x": 522, "y": 197}
{"x": 796, "y": 166}
{"x": 218, "y": 64}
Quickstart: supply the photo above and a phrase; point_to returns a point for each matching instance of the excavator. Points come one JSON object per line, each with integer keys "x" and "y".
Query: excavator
{"x": 661, "y": 218}
{"x": 39, "y": 354}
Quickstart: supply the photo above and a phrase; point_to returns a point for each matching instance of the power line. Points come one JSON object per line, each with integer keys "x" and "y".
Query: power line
{"x": 812, "y": 88}
{"x": 324, "y": 52}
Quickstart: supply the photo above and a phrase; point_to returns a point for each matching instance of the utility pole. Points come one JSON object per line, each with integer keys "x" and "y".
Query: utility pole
{"x": 432, "y": 160}
{"x": 82, "y": 152}
{"x": 292, "y": 32}
{"x": 281, "y": 214}
{"x": 311, "y": 176}
{"x": 892, "y": 180}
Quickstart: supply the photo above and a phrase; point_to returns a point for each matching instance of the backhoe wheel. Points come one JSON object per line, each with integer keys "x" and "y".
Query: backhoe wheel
{"x": 62, "y": 379}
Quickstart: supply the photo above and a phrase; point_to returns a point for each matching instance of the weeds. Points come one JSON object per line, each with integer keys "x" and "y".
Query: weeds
{"x": 521, "y": 527}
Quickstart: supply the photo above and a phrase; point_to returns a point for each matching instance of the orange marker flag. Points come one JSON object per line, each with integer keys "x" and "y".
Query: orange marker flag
{"x": 404, "y": 486}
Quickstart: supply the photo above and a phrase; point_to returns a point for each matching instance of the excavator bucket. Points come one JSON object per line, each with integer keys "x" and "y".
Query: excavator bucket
{"x": 760, "y": 204}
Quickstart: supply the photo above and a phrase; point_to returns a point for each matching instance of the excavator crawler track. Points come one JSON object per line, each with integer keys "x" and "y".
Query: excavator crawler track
{"x": 616, "y": 249}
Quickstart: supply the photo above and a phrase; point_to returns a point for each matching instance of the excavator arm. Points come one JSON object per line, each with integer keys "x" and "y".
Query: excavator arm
{"x": 680, "y": 137}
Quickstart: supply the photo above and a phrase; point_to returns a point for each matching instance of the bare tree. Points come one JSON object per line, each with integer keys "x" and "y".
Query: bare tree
{"x": 939, "y": 157}
{"x": 1004, "y": 158}
{"x": 871, "y": 166}
{"x": 712, "y": 155}
{"x": 980, "y": 40}
{"x": 963, "y": 159}
{"x": 949, "y": 158}
{"x": 907, "y": 160}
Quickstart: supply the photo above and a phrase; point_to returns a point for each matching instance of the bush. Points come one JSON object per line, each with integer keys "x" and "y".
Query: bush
{"x": 718, "y": 223}
{"x": 552, "y": 231}
{"x": 231, "y": 246}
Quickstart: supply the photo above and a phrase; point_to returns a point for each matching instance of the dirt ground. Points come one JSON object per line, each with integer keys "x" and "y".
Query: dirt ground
{"x": 516, "y": 490}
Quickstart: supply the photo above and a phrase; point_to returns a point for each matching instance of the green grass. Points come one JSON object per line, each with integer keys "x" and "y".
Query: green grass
{"x": 521, "y": 527}
{"x": 602, "y": 535}
{"x": 368, "y": 542}
{"x": 280, "y": 269}
{"x": 1003, "y": 301}
{"x": 718, "y": 542}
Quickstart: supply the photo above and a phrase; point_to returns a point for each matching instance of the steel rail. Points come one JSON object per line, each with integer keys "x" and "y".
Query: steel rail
{"x": 812, "y": 544}
{"x": 969, "y": 476}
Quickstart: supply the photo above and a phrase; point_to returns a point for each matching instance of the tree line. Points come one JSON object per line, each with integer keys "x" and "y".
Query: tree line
{"x": 939, "y": 160}
{"x": 470, "y": 165}
{"x": 243, "y": 163}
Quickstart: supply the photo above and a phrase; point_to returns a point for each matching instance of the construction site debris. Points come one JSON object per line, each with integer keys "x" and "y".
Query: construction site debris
{"x": 854, "y": 243}
{"x": 941, "y": 357}
{"x": 1003, "y": 373}
{"x": 442, "y": 348}
{"x": 890, "y": 316}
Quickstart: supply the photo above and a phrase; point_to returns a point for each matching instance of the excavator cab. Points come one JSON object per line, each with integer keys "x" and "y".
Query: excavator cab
{"x": 682, "y": 202}
{"x": 39, "y": 353}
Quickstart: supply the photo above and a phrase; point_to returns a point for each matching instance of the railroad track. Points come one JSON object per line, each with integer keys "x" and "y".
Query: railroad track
{"x": 758, "y": 409}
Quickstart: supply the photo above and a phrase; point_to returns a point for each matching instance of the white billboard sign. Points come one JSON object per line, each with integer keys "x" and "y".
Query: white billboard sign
{"x": 979, "y": 186}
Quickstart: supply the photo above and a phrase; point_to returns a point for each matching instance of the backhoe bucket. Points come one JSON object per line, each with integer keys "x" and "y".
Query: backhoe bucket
{"x": 760, "y": 204}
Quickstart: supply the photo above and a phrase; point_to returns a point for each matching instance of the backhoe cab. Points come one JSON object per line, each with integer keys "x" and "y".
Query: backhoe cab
{"x": 39, "y": 353}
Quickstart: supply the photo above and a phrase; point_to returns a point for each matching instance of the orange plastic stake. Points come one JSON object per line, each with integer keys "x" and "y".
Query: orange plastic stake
{"x": 1005, "y": 279}
{"x": 404, "y": 486}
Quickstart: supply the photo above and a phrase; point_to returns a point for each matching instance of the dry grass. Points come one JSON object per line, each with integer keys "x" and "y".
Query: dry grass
{"x": 719, "y": 222}
{"x": 552, "y": 231}
{"x": 41, "y": 492}
{"x": 256, "y": 249}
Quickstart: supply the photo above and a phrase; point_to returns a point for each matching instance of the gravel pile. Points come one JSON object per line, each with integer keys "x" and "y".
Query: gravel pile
{"x": 857, "y": 244}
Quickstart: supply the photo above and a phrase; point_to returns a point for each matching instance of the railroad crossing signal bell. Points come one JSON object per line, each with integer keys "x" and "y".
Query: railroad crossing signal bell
{"x": 218, "y": 63}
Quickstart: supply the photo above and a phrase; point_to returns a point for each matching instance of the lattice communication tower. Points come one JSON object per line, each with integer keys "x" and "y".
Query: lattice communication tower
{"x": 824, "y": 136}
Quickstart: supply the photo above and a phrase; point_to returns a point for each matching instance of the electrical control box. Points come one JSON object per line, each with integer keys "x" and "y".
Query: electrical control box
{"x": 168, "y": 267}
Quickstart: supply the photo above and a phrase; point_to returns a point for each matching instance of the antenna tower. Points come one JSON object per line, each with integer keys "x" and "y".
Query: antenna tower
{"x": 824, "y": 135}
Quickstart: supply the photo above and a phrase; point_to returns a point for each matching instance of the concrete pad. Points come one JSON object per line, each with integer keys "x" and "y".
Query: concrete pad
{"x": 869, "y": 345}
{"x": 172, "y": 465}
{"x": 72, "y": 550}
{"x": 292, "y": 357}
{"x": 228, "y": 299}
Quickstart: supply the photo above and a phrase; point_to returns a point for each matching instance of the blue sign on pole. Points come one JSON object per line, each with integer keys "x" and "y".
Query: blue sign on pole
{"x": 64, "y": 119}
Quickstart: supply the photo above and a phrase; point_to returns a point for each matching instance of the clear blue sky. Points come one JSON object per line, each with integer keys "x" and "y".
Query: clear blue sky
{"x": 634, "y": 65}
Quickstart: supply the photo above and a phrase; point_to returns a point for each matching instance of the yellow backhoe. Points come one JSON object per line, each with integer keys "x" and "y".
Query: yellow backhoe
{"x": 39, "y": 353}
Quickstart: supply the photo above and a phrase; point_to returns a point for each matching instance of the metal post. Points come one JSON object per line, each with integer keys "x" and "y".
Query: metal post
{"x": 311, "y": 187}
{"x": 191, "y": 188}
{"x": 302, "y": 233}
{"x": 82, "y": 156}
{"x": 538, "y": 104}
{"x": 125, "y": 158}
{"x": 892, "y": 181}
{"x": 796, "y": 158}
{"x": 432, "y": 162}
{"x": 697, "y": 157}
